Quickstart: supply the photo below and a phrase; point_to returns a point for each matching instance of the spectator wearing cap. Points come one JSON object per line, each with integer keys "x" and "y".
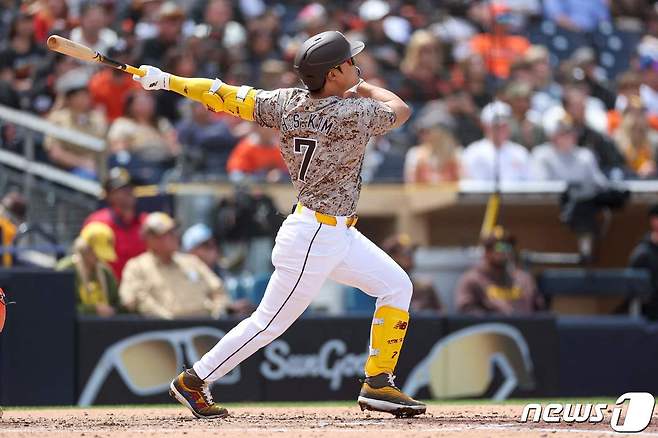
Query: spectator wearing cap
{"x": 636, "y": 140}
{"x": 524, "y": 131}
{"x": 165, "y": 283}
{"x": 74, "y": 110}
{"x": 92, "y": 31}
{"x": 561, "y": 159}
{"x": 436, "y": 158}
{"x": 498, "y": 48}
{"x": 199, "y": 241}
{"x": 576, "y": 15}
{"x": 170, "y": 18}
{"x": 575, "y": 101}
{"x": 495, "y": 157}
{"x": 645, "y": 256}
{"x": 96, "y": 286}
{"x": 110, "y": 87}
{"x": 425, "y": 297}
{"x": 257, "y": 156}
{"x": 496, "y": 286}
{"x": 122, "y": 217}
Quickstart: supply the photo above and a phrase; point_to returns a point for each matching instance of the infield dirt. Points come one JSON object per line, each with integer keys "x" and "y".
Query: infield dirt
{"x": 463, "y": 421}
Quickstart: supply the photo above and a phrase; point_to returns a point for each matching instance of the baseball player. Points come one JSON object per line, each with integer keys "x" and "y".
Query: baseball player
{"x": 324, "y": 130}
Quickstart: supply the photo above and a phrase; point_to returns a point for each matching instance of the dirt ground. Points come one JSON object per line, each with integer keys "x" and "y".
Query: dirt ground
{"x": 463, "y": 421}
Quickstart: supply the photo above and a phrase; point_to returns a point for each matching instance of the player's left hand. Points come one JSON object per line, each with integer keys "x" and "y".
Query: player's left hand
{"x": 155, "y": 79}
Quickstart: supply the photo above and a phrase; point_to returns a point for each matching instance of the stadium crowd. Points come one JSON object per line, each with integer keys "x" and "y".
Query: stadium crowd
{"x": 511, "y": 90}
{"x": 570, "y": 82}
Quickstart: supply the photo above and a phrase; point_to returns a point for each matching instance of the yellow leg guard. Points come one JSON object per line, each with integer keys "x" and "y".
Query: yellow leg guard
{"x": 389, "y": 326}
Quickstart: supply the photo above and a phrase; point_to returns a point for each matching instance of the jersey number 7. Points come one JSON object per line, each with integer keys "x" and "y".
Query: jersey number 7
{"x": 304, "y": 146}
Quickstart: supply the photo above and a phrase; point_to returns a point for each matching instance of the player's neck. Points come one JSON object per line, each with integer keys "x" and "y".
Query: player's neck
{"x": 326, "y": 91}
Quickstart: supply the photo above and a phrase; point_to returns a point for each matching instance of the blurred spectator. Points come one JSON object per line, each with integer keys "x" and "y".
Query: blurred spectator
{"x": 645, "y": 256}
{"x": 561, "y": 159}
{"x": 576, "y": 15}
{"x": 257, "y": 155}
{"x": 472, "y": 77}
{"x": 586, "y": 69}
{"x": 95, "y": 284}
{"x": 649, "y": 87}
{"x": 142, "y": 141}
{"x": 497, "y": 285}
{"x": 13, "y": 209}
{"x": 498, "y": 48}
{"x": 636, "y": 141}
{"x": 51, "y": 17}
{"x": 401, "y": 250}
{"x": 495, "y": 157}
{"x": 523, "y": 130}
{"x": 170, "y": 18}
{"x": 207, "y": 139}
{"x": 436, "y": 158}
{"x": 74, "y": 111}
{"x": 110, "y": 87}
{"x": 463, "y": 110}
{"x": 199, "y": 241}
{"x": 92, "y": 31}
{"x": 178, "y": 62}
{"x": 607, "y": 155}
{"x": 378, "y": 34}
{"x": 22, "y": 55}
{"x": 547, "y": 92}
{"x": 275, "y": 73}
{"x": 422, "y": 69}
{"x": 165, "y": 283}
{"x": 121, "y": 215}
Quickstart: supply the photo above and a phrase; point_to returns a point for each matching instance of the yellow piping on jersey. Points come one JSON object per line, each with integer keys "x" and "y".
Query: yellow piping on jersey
{"x": 217, "y": 96}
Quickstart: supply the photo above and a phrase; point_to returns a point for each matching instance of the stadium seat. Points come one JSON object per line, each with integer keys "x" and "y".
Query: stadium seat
{"x": 559, "y": 41}
{"x": 614, "y": 47}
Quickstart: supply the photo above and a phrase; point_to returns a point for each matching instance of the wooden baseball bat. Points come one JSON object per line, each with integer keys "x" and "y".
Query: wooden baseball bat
{"x": 84, "y": 53}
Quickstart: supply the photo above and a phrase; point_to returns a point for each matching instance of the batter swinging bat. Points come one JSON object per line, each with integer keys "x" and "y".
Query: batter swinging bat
{"x": 84, "y": 53}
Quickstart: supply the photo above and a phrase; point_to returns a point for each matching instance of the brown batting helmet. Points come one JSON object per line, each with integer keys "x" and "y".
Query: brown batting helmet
{"x": 322, "y": 52}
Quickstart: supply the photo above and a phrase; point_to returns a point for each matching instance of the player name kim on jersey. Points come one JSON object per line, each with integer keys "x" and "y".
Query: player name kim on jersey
{"x": 308, "y": 122}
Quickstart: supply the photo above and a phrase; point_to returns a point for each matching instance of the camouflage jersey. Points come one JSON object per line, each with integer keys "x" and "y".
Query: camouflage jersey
{"x": 323, "y": 142}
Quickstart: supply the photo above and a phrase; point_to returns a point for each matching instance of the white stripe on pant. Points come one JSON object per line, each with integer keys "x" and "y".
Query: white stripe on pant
{"x": 306, "y": 253}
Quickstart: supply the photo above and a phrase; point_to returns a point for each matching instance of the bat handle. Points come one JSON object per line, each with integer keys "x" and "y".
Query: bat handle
{"x": 135, "y": 71}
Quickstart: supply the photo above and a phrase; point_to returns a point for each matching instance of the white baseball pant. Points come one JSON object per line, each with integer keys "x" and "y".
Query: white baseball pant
{"x": 306, "y": 253}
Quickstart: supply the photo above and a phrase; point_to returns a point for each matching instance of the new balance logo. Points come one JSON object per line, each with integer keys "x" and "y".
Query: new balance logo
{"x": 400, "y": 325}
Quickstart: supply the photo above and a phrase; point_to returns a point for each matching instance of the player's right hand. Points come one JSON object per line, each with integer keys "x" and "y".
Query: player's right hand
{"x": 155, "y": 79}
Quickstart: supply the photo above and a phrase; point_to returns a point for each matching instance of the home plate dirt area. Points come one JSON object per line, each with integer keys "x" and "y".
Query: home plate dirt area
{"x": 461, "y": 421}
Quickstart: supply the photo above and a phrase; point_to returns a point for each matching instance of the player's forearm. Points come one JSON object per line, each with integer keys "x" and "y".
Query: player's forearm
{"x": 192, "y": 88}
{"x": 217, "y": 95}
{"x": 388, "y": 98}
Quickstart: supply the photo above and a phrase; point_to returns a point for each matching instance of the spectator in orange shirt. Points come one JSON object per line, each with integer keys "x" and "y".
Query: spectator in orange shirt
{"x": 498, "y": 48}
{"x": 257, "y": 155}
{"x": 110, "y": 87}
